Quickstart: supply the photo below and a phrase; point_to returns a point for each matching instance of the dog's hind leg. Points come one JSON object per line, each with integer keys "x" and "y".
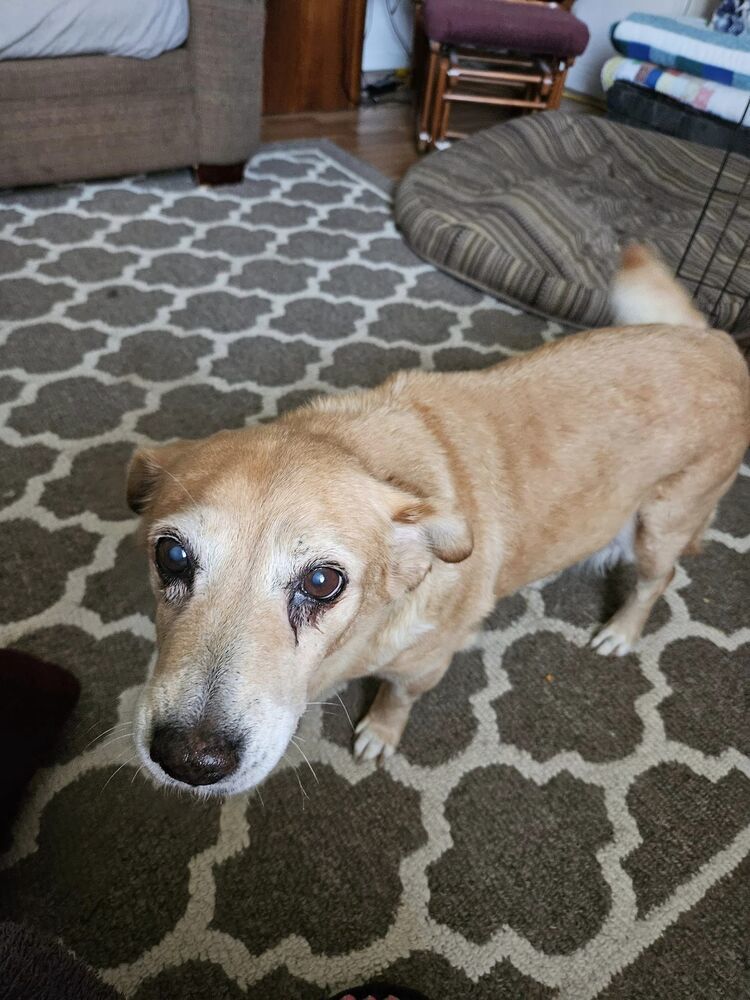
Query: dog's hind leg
{"x": 624, "y": 629}
{"x": 669, "y": 524}
{"x": 695, "y": 545}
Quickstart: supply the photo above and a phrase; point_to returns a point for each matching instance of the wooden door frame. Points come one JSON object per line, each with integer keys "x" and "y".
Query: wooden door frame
{"x": 312, "y": 55}
{"x": 355, "y": 13}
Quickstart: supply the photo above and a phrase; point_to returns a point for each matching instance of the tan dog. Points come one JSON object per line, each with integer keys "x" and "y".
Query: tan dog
{"x": 369, "y": 533}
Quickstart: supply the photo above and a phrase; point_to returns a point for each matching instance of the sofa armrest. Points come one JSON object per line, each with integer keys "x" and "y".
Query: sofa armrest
{"x": 225, "y": 48}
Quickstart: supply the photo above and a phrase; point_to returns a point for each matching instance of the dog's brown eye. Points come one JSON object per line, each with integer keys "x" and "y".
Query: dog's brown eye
{"x": 323, "y": 583}
{"x": 171, "y": 558}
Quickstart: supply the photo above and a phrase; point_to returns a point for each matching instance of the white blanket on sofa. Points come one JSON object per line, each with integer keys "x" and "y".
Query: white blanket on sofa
{"x": 30, "y": 29}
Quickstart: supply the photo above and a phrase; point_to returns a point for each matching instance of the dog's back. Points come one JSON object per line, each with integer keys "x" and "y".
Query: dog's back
{"x": 585, "y": 428}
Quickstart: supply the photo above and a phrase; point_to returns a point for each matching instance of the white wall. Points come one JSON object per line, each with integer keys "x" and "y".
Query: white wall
{"x": 600, "y": 15}
{"x": 382, "y": 49}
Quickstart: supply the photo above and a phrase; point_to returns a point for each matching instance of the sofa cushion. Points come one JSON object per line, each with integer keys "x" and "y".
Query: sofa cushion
{"x": 85, "y": 77}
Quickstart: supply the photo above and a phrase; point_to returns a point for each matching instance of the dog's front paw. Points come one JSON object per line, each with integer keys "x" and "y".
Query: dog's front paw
{"x": 371, "y": 743}
{"x": 612, "y": 640}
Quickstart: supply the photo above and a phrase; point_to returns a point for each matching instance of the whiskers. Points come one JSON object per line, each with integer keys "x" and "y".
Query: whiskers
{"x": 299, "y": 740}
{"x": 115, "y": 739}
{"x": 111, "y": 736}
{"x": 332, "y": 704}
{"x": 117, "y": 770}
{"x": 345, "y": 710}
{"x": 305, "y": 796}
{"x": 107, "y": 732}
{"x": 306, "y": 759}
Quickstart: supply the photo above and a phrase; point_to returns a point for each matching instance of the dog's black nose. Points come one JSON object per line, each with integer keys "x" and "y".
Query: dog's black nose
{"x": 194, "y": 755}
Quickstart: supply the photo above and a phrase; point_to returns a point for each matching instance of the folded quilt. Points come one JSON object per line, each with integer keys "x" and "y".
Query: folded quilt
{"x": 729, "y": 103}
{"x": 686, "y": 44}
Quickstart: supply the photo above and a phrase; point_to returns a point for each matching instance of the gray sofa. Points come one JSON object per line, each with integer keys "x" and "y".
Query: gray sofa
{"x": 102, "y": 116}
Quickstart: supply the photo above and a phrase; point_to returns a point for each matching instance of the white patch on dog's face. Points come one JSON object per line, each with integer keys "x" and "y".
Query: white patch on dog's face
{"x": 239, "y": 641}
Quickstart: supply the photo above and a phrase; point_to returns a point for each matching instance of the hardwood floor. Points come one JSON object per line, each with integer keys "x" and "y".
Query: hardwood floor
{"x": 380, "y": 134}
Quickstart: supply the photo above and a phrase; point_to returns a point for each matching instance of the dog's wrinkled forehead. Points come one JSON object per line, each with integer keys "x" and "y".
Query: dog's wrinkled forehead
{"x": 254, "y": 470}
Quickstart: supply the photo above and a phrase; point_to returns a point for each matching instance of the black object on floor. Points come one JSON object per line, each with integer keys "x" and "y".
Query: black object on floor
{"x": 379, "y": 991}
{"x": 33, "y": 967}
{"x": 36, "y": 698}
{"x": 633, "y": 105}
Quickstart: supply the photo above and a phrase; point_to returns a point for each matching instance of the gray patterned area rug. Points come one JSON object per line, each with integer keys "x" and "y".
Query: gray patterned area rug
{"x": 555, "y": 825}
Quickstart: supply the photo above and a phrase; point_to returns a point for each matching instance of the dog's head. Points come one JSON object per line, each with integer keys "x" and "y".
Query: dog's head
{"x": 270, "y": 550}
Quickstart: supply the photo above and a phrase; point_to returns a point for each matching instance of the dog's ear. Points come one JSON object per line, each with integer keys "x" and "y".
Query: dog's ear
{"x": 147, "y": 468}
{"x": 143, "y": 477}
{"x": 447, "y": 534}
{"x": 423, "y": 533}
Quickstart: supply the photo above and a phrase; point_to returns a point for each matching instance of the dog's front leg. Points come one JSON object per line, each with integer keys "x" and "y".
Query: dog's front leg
{"x": 379, "y": 732}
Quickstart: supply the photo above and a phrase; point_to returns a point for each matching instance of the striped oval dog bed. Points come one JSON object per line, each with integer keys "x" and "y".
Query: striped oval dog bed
{"x": 536, "y": 210}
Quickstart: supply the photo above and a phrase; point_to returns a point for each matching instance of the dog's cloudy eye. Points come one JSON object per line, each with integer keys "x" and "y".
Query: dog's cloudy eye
{"x": 171, "y": 558}
{"x": 323, "y": 583}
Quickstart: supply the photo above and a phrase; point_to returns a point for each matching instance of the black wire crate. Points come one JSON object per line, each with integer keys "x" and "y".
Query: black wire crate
{"x": 716, "y": 263}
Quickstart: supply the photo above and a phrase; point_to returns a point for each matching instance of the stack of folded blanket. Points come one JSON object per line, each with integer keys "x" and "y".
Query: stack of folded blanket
{"x": 683, "y": 76}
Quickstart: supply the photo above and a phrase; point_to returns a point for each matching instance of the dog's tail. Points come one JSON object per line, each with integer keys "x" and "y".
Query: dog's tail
{"x": 644, "y": 291}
